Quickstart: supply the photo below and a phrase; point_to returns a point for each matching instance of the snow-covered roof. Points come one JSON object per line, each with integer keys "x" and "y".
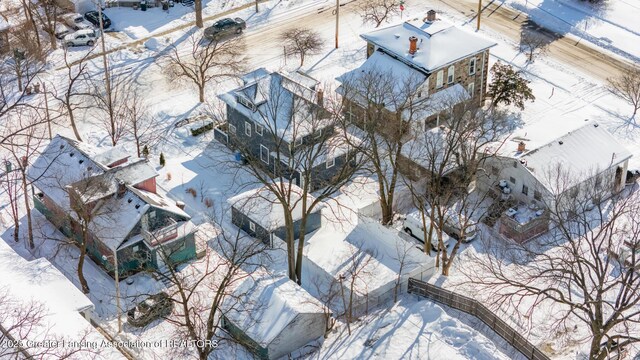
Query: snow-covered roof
{"x": 426, "y": 150}
{"x": 263, "y": 207}
{"x": 66, "y": 164}
{"x": 583, "y": 152}
{"x": 439, "y": 43}
{"x": 282, "y": 104}
{"x": 112, "y": 155}
{"x": 267, "y": 306}
{"x": 337, "y": 145}
{"x": 4, "y": 24}
{"x": 60, "y": 299}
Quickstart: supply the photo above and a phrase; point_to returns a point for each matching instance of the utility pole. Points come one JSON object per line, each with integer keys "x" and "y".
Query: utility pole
{"x": 479, "y": 13}
{"x": 337, "y": 20}
{"x": 107, "y": 77}
{"x": 46, "y": 107}
{"x": 116, "y": 273}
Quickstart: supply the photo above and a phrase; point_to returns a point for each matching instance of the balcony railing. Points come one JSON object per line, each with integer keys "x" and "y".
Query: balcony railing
{"x": 162, "y": 235}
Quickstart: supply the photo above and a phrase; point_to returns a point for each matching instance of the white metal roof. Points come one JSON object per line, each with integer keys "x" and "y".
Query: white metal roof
{"x": 439, "y": 43}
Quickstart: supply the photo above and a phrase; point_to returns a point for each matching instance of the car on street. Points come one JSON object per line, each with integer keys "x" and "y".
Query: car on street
{"x": 94, "y": 18}
{"x": 82, "y": 37}
{"x": 62, "y": 31}
{"x": 75, "y": 21}
{"x": 224, "y": 27}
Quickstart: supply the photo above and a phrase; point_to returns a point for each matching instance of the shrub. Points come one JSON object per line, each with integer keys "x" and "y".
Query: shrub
{"x": 162, "y": 161}
{"x": 202, "y": 129}
{"x": 208, "y": 202}
{"x": 192, "y": 191}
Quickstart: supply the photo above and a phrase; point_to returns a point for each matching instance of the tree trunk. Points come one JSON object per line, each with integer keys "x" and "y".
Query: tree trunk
{"x": 28, "y": 209}
{"x": 199, "y": 23}
{"x": 201, "y": 93}
{"x": 596, "y": 353}
{"x": 53, "y": 41}
{"x": 291, "y": 258}
{"x": 72, "y": 120}
{"x": 303, "y": 227}
{"x": 257, "y": 6}
{"x": 301, "y": 59}
{"x": 83, "y": 253}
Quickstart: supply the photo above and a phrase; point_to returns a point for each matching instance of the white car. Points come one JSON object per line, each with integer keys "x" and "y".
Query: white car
{"x": 81, "y": 38}
{"x": 412, "y": 225}
{"x": 76, "y": 21}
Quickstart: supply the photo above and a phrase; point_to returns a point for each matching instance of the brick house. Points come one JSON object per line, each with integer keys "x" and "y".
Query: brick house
{"x": 278, "y": 119}
{"x": 130, "y": 214}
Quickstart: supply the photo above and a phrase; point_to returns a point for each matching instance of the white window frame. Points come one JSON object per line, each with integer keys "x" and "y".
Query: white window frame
{"x": 267, "y": 154}
{"x": 232, "y": 129}
{"x": 471, "y": 88}
{"x": 135, "y": 248}
{"x": 252, "y": 226}
{"x": 260, "y": 128}
{"x": 298, "y": 141}
{"x": 319, "y": 134}
{"x": 451, "y": 74}
{"x": 525, "y": 190}
{"x": 330, "y": 163}
{"x": 439, "y": 79}
{"x": 473, "y": 63}
{"x": 247, "y": 128}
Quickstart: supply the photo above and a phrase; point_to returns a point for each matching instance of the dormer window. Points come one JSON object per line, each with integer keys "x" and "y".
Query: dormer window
{"x": 246, "y": 103}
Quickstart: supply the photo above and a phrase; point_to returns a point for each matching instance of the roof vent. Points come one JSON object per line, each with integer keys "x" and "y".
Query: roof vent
{"x": 121, "y": 188}
{"x": 560, "y": 142}
{"x": 61, "y": 147}
{"x": 431, "y": 16}
{"x": 137, "y": 206}
{"x": 129, "y": 200}
{"x": 80, "y": 161}
{"x": 397, "y": 36}
{"x": 595, "y": 125}
{"x": 71, "y": 154}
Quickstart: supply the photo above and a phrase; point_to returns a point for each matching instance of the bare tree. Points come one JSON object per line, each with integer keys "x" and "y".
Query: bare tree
{"x": 378, "y": 11}
{"x": 11, "y": 186}
{"x": 384, "y": 108}
{"x": 112, "y": 104}
{"x": 301, "y": 42}
{"x": 203, "y": 297}
{"x": 144, "y": 127}
{"x": 533, "y": 43}
{"x": 47, "y": 15}
{"x": 584, "y": 272}
{"x": 206, "y": 62}
{"x": 627, "y": 86}
{"x": 305, "y": 134}
{"x": 361, "y": 266}
{"x": 74, "y": 94}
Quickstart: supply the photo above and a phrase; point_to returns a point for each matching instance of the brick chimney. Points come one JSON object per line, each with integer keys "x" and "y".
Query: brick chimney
{"x": 431, "y": 16}
{"x": 180, "y": 205}
{"x": 522, "y": 146}
{"x": 121, "y": 189}
{"x": 413, "y": 45}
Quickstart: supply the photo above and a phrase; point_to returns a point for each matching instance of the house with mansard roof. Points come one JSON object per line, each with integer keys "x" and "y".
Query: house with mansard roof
{"x": 127, "y": 215}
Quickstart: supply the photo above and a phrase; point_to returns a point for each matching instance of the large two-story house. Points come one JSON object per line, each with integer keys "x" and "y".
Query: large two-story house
{"x": 279, "y": 121}
{"x": 127, "y": 215}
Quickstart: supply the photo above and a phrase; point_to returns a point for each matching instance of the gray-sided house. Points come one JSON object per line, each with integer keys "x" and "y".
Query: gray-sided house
{"x": 274, "y": 317}
{"x": 117, "y": 199}
{"x": 278, "y": 120}
{"x": 260, "y": 214}
{"x": 531, "y": 178}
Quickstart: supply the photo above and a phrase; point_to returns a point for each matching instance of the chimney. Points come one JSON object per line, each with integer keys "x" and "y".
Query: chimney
{"x": 180, "y": 205}
{"x": 413, "y": 45}
{"x": 522, "y": 146}
{"x": 320, "y": 97}
{"x": 121, "y": 189}
{"x": 431, "y": 16}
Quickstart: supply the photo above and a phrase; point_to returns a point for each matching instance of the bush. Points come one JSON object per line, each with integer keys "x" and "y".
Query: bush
{"x": 208, "y": 202}
{"x": 202, "y": 129}
{"x": 192, "y": 191}
{"x": 162, "y": 161}
{"x": 145, "y": 151}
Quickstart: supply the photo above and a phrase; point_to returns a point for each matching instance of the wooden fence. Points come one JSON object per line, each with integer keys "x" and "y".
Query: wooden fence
{"x": 473, "y": 307}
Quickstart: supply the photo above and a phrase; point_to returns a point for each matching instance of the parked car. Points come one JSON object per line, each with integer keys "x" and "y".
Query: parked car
{"x": 224, "y": 27}
{"x": 412, "y": 225}
{"x": 94, "y": 18}
{"x": 75, "y": 21}
{"x": 82, "y": 37}
{"x": 62, "y": 31}
{"x": 453, "y": 228}
{"x": 154, "y": 307}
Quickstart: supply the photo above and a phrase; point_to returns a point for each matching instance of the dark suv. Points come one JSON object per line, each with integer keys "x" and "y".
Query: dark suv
{"x": 224, "y": 27}
{"x": 93, "y": 17}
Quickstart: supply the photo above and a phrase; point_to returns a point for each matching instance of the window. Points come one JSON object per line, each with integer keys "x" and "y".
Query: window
{"x": 525, "y": 190}
{"x": 259, "y": 129}
{"x": 472, "y": 66}
{"x": 331, "y": 162}
{"x": 451, "y": 74}
{"x": 512, "y": 179}
{"x": 246, "y": 103}
{"x": 319, "y": 134}
{"x": 537, "y": 195}
{"x": 264, "y": 154}
{"x": 136, "y": 248}
{"x": 471, "y": 88}
{"x": 252, "y": 226}
{"x": 232, "y": 129}
{"x": 298, "y": 141}
{"x": 439, "y": 79}
{"x": 515, "y": 164}
{"x": 247, "y": 128}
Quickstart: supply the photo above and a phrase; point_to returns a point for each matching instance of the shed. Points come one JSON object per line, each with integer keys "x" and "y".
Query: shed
{"x": 273, "y": 317}
{"x": 260, "y": 213}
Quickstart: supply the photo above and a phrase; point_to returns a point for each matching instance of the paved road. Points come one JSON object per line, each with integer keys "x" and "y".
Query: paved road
{"x": 577, "y": 54}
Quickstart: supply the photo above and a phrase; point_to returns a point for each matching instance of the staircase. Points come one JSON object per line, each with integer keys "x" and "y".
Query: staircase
{"x": 164, "y": 275}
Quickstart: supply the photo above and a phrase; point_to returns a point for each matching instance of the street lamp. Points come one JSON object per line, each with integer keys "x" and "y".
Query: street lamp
{"x": 116, "y": 272}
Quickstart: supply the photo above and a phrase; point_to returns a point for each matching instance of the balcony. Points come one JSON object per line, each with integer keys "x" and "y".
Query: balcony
{"x": 522, "y": 223}
{"x": 162, "y": 235}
